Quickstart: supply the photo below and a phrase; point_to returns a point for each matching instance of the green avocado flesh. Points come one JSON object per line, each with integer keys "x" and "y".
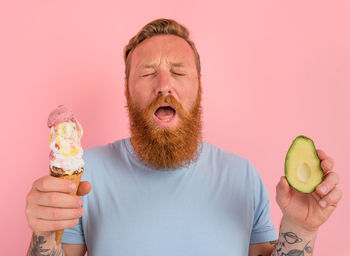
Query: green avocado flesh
{"x": 302, "y": 166}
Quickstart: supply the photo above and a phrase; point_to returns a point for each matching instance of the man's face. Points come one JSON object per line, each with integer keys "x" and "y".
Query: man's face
{"x": 163, "y": 65}
{"x": 163, "y": 99}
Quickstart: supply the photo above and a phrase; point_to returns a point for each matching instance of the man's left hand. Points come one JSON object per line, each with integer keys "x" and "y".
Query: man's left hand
{"x": 310, "y": 211}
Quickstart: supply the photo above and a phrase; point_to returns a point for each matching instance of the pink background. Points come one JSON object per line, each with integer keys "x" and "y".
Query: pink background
{"x": 271, "y": 70}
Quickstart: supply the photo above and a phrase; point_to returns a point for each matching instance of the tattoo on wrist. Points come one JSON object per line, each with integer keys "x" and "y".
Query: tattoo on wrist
{"x": 36, "y": 248}
{"x": 290, "y": 238}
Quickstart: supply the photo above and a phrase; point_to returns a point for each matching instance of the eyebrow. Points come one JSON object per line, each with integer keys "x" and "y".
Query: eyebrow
{"x": 146, "y": 66}
{"x": 177, "y": 64}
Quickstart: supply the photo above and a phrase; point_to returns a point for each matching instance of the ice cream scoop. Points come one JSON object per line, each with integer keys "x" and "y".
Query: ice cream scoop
{"x": 59, "y": 115}
{"x": 66, "y": 132}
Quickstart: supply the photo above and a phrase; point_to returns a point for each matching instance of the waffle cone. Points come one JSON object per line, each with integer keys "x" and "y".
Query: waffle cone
{"x": 76, "y": 179}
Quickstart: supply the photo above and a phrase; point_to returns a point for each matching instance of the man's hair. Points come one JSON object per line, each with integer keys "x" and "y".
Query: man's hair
{"x": 159, "y": 27}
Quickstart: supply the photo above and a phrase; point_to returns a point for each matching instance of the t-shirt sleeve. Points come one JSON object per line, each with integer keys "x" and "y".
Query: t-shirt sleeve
{"x": 263, "y": 229}
{"x": 74, "y": 235}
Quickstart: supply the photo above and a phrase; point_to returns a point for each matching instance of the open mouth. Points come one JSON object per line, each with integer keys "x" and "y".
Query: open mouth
{"x": 165, "y": 115}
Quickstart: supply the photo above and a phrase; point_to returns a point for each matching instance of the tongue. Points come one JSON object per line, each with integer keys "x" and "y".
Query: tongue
{"x": 165, "y": 113}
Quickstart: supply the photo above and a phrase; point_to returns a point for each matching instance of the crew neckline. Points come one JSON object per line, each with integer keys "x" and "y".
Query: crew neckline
{"x": 135, "y": 157}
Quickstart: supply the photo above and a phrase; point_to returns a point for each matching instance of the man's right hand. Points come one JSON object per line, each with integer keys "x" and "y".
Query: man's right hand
{"x": 49, "y": 206}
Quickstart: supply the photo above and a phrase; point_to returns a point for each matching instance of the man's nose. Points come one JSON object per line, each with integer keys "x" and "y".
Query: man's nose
{"x": 163, "y": 84}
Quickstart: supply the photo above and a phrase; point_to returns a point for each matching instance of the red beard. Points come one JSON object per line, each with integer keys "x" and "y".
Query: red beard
{"x": 166, "y": 148}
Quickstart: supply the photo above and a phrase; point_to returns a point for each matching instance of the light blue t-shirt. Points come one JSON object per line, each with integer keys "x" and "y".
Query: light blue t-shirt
{"x": 216, "y": 206}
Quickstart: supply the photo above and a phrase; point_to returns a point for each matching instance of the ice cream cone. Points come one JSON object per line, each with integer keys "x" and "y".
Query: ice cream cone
{"x": 75, "y": 177}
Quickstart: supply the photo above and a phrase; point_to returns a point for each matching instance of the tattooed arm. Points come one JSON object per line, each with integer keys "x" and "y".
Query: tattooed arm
{"x": 292, "y": 241}
{"x": 46, "y": 246}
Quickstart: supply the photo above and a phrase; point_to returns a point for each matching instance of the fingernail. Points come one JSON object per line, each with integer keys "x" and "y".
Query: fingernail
{"x": 323, "y": 203}
{"x": 323, "y": 189}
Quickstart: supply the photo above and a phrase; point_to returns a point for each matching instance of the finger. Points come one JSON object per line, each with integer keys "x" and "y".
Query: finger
{"x": 321, "y": 154}
{"x": 38, "y": 225}
{"x": 84, "y": 188}
{"x": 56, "y": 199}
{"x": 332, "y": 198}
{"x": 51, "y": 184}
{"x": 283, "y": 192}
{"x": 51, "y": 213}
{"x": 316, "y": 196}
{"x": 329, "y": 182}
{"x": 327, "y": 164}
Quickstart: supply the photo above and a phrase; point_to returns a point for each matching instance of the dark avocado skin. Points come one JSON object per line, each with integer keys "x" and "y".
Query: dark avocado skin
{"x": 285, "y": 163}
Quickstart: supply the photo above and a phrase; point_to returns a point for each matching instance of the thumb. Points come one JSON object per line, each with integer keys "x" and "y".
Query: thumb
{"x": 283, "y": 192}
{"x": 84, "y": 188}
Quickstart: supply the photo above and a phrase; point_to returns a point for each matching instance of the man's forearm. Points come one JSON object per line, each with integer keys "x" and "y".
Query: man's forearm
{"x": 45, "y": 246}
{"x": 294, "y": 241}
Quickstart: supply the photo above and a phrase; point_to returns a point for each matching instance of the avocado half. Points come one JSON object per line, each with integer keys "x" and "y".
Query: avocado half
{"x": 302, "y": 165}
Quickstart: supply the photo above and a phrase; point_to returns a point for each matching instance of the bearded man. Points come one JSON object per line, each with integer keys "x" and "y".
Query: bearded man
{"x": 164, "y": 191}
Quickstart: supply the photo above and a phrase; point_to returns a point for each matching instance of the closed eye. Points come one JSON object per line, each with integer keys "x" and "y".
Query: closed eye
{"x": 149, "y": 74}
{"x": 178, "y": 74}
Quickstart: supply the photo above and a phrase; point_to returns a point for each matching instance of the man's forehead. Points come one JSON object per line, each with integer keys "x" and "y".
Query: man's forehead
{"x": 174, "y": 50}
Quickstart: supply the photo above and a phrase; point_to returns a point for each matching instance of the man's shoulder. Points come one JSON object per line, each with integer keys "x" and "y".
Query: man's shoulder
{"x": 100, "y": 159}
{"x": 218, "y": 153}
{"x": 220, "y": 158}
{"x": 223, "y": 162}
{"x": 101, "y": 152}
